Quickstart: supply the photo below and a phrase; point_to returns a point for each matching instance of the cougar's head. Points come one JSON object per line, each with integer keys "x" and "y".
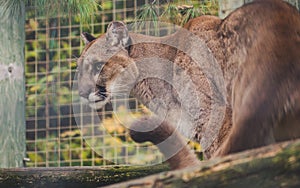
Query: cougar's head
{"x": 104, "y": 67}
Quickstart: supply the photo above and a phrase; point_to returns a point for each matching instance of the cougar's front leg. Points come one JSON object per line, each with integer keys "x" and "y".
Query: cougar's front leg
{"x": 167, "y": 139}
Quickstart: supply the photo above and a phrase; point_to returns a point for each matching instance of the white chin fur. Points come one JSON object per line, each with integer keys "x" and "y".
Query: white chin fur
{"x": 95, "y": 102}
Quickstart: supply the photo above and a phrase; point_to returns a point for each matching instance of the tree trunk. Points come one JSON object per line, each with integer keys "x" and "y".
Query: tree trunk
{"x": 12, "y": 86}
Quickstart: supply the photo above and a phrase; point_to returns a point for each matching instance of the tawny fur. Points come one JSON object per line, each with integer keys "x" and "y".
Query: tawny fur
{"x": 179, "y": 155}
{"x": 257, "y": 48}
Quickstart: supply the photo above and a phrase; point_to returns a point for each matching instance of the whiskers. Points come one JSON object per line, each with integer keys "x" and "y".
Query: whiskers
{"x": 106, "y": 94}
{"x": 114, "y": 94}
{"x": 75, "y": 58}
{"x": 102, "y": 94}
{"x": 120, "y": 88}
{"x": 116, "y": 91}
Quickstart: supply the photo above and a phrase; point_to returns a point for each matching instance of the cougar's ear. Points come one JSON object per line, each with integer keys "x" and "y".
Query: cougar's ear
{"x": 87, "y": 38}
{"x": 117, "y": 34}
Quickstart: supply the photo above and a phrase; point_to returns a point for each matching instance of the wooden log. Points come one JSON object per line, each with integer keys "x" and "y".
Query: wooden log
{"x": 74, "y": 176}
{"x": 271, "y": 166}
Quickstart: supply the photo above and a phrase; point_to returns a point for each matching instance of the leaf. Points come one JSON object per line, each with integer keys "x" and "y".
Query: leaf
{"x": 107, "y": 5}
{"x": 35, "y": 88}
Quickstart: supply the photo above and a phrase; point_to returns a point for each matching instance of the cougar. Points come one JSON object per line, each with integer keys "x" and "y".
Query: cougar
{"x": 248, "y": 81}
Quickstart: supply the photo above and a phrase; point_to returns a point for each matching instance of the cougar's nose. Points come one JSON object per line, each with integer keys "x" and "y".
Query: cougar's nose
{"x": 102, "y": 91}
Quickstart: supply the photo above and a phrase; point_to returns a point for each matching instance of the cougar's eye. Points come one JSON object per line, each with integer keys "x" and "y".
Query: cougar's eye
{"x": 98, "y": 66}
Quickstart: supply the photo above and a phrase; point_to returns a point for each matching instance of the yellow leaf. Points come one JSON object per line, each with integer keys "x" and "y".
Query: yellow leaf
{"x": 35, "y": 88}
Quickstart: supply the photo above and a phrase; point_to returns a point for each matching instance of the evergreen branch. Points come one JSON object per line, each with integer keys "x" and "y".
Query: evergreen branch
{"x": 51, "y": 8}
{"x": 147, "y": 18}
{"x": 83, "y": 8}
{"x": 190, "y": 13}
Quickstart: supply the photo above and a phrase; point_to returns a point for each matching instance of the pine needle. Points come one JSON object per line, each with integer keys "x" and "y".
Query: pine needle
{"x": 190, "y": 14}
{"x": 176, "y": 11}
{"x": 171, "y": 14}
{"x": 147, "y": 18}
{"x": 52, "y": 8}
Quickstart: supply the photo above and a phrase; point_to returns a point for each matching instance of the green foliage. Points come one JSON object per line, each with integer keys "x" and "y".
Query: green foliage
{"x": 148, "y": 16}
{"x": 49, "y": 81}
{"x": 84, "y": 8}
{"x": 190, "y": 13}
{"x": 176, "y": 12}
{"x": 171, "y": 13}
{"x": 74, "y": 146}
{"x": 107, "y": 5}
{"x": 51, "y": 8}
